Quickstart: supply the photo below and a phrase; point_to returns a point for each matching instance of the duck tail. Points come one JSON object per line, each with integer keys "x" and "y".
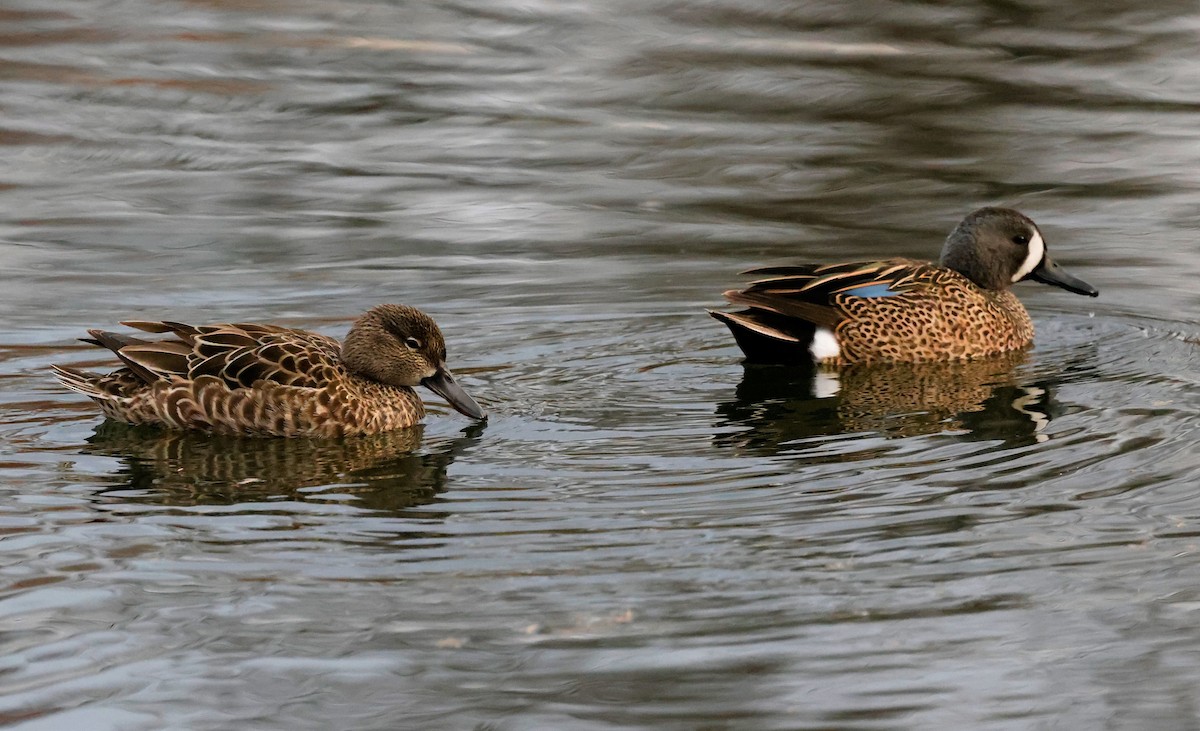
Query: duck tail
{"x": 769, "y": 338}
{"x": 79, "y": 381}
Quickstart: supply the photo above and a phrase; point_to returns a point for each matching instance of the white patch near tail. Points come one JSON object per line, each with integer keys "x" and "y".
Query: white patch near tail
{"x": 824, "y": 345}
{"x": 1037, "y": 252}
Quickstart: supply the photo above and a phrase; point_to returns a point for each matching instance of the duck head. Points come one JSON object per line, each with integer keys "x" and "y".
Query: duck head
{"x": 402, "y": 346}
{"x": 997, "y": 247}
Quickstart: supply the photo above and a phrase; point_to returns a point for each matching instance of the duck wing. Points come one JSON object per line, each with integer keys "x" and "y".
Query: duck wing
{"x": 239, "y": 354}
{"x": 787, "y": 304}
{"x": 818, "y": 294}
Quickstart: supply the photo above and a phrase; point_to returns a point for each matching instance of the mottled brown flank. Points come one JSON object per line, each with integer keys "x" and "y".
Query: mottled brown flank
{"x": 941, "y": 315}
{"x": 931, "y": 313}
{"x": 351, "y": 406}
{"x": 256, "y": 380}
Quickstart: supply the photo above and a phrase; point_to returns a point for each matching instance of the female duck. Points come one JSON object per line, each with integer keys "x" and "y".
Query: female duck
{"x": 900, "y": 310}
{"x": 266, "y": 380}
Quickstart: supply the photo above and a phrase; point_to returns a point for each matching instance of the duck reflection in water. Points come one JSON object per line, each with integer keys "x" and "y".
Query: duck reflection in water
{"x": 177, "y": 468}
{"x": 977, "y": 399}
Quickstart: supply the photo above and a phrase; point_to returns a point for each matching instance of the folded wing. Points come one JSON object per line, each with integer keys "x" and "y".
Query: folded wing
{"x": 239, "y": 354}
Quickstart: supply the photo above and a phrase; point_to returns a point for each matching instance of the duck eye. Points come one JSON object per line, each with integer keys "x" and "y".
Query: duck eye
{"x": 413, "y": 343}
{"x": 1020, "y": 239}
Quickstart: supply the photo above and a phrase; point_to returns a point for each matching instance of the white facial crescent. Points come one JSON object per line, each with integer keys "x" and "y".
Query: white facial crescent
{"x": 1037, "y": 250}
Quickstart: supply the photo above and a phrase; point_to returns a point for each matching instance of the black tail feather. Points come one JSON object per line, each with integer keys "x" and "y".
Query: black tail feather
{"x": 769, "y": 338}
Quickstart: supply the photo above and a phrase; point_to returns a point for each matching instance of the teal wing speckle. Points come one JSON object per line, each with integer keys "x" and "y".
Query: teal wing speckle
{"x": 819, "y": 294}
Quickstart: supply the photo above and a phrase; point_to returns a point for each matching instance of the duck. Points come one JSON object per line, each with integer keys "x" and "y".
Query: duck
{"x": 901, "y": 310}
{"x": 270, "y": 381}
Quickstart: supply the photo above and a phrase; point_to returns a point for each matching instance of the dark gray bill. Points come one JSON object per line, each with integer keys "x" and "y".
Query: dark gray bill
{"x": 1048, "y": 272}
{"x": 442, "y": 383}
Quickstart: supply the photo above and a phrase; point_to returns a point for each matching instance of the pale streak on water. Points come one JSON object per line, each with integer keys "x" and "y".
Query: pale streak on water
{"x": 645, "y": 535}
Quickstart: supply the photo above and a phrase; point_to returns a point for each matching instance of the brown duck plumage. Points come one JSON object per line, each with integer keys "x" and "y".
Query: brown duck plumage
{"x": 900, "y": 310}
{"x": 266, "y": 380}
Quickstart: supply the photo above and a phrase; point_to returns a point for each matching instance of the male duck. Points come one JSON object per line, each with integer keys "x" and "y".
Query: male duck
{"x": 900, "y": 310}
{"x": 266, "y": 380}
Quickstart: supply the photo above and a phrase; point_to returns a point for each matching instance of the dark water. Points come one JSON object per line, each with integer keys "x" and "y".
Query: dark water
{"x": 646, "y": 534}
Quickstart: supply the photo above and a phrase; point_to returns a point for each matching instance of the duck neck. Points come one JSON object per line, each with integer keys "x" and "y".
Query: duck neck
{"x": 357, "y": 348}
{"x": 961, "y": 256}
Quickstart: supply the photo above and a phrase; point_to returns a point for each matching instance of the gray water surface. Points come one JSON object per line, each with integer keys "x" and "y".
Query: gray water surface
{"x": 646, "y": 534}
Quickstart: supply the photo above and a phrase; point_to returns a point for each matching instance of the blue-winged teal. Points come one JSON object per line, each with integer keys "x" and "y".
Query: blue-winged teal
{"x": 900, "y": 310}
{"x": 266, "y": 380}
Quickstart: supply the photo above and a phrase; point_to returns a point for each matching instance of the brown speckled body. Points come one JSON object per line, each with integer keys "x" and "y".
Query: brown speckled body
{"x": 901, "y": 310}
{"x": 344, "y": 408}
{"x": 265, "y": 380}
{"x": 325, "y": 400}
{"x": 940, "y": 315}
{"x": 929, "y": 314}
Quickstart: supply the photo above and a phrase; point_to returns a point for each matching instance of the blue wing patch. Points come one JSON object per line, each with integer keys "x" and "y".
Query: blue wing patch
{"x": 871, "y": 290}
